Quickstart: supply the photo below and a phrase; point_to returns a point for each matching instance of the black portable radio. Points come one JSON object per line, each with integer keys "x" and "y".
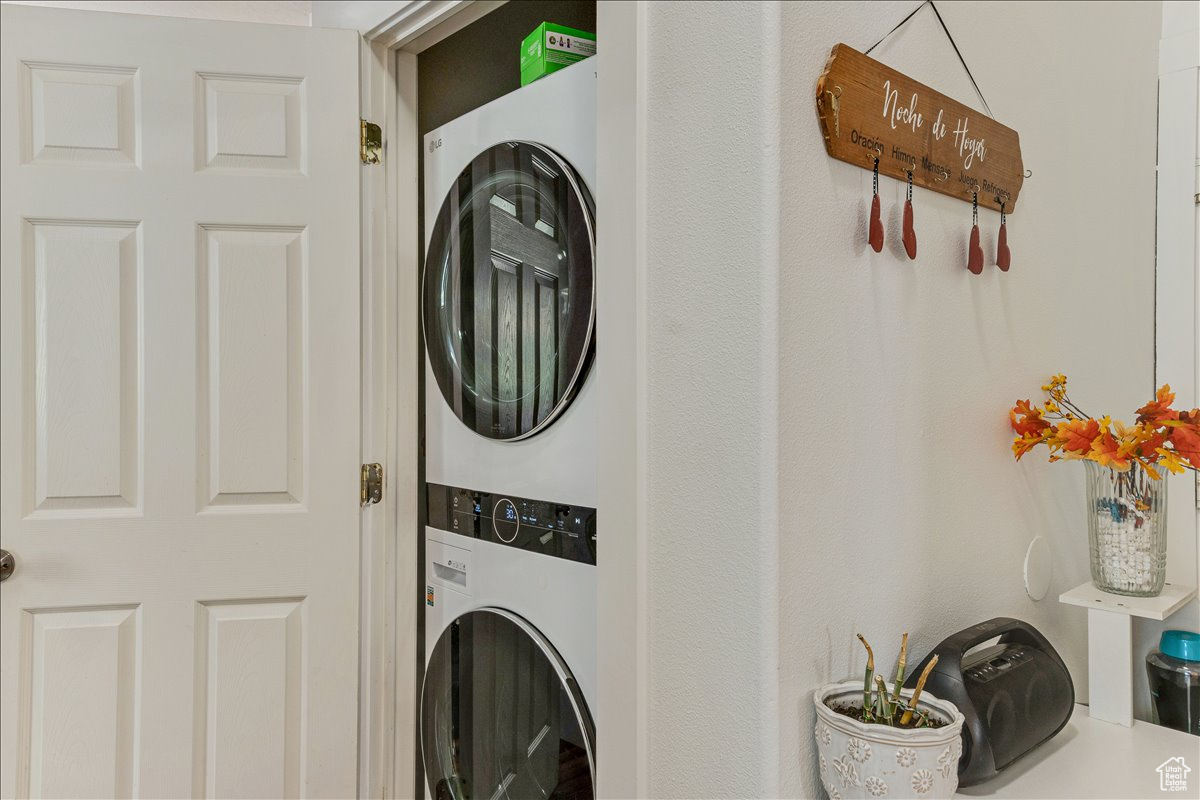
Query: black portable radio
{"x": 1014, "y": 695}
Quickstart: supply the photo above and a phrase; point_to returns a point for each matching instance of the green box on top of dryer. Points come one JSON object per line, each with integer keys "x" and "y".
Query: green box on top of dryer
{"x": 551, "y": 47}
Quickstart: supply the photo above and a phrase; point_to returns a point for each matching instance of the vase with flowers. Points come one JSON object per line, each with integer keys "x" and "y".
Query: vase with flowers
{"x": 1126, "y": 493}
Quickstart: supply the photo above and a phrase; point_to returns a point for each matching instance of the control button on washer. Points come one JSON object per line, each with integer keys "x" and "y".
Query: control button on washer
{"x": 506, "y": 521}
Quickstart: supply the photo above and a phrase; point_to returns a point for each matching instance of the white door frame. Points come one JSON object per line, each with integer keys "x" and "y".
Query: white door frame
{"x": 623, "y": 624}
{"x": 390, "y": 672}
{"x": 383, "y": 439}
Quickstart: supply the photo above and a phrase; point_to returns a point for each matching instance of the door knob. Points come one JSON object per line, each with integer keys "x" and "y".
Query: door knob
{"x": 7, "y": 565}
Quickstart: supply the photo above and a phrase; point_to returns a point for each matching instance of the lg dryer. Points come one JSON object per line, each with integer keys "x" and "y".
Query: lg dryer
{"x": 508, "y": 293}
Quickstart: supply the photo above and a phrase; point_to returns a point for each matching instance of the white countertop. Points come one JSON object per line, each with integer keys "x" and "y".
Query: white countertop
{"x": 1098, "y": 761}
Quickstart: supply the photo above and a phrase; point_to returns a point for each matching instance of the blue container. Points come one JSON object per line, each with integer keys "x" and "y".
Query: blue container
{"x": 1174, "y": 675}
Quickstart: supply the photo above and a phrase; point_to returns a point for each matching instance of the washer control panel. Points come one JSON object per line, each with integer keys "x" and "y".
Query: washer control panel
{"x": 555, "y": 529}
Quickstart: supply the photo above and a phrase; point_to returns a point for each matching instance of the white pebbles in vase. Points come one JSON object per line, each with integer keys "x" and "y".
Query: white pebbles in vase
{"x": 1127, "y": 526}
{"x": 1124, "y": 551}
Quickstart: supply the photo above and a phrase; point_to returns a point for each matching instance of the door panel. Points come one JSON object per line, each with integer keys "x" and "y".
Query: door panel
{"x": 179, "y": 414}
{"x": 251, "y": 363}
{"x": 248, "y": 699}
{"x": 82, "y": 362}
{"x": 83, "y": 730}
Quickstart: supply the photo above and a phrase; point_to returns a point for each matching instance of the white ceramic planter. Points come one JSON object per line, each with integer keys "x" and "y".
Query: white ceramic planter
{"x": 869, "y": 761}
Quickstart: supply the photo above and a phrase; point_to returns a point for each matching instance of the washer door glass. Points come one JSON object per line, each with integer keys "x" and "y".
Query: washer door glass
{"x": 508, "y": 301}
{"x": 501, "y": 716}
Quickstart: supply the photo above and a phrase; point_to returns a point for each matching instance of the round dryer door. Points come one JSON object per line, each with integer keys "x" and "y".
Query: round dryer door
{"x": 501, "y": 716}
{"x": 508, "y": 304}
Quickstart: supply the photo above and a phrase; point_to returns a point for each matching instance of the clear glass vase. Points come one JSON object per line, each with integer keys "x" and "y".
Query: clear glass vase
{"x": 1127, "y": 530}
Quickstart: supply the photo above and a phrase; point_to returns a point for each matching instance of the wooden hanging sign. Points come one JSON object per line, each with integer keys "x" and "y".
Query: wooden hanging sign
{"x": 867, "y": 109}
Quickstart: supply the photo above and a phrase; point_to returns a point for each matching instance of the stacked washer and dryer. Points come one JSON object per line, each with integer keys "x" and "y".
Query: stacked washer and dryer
{"x": 508, "y": 305}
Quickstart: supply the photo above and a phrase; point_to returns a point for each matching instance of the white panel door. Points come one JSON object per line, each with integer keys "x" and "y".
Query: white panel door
{"x": 179, "y": 296}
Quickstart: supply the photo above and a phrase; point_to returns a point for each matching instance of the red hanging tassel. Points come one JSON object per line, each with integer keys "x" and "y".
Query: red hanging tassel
{"x": 1003, "y": 256}
{"x": 910, "y": 235}
{"x": 876, "y": 231}
{"x": 975, "y": 252}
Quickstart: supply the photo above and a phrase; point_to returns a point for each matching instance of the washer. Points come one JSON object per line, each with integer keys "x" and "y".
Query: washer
{"x": 510, "y": 643}
{"x": 508, "y": 312}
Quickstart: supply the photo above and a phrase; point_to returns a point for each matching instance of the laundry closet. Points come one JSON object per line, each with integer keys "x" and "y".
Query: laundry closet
{"x": 399, "y": 400}
{"x": 508, "y": 417}
{"x": 258, "y": 539}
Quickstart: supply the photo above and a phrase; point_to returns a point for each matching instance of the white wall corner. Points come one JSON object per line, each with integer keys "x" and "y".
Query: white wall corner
{"x": 1177, "y": 301}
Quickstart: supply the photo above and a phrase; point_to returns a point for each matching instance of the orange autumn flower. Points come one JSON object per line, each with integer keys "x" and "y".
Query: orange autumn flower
{"x": 1185, "y": 437}
{"x": 1075, "y": 436}
{"x": 1150, "y": 442}
{"x": 1023, "y": 444}
{"x": 1027, "y": 419}
{"x": 1161, "y": 437}
{"x": 1106, "y": 451}
{"x": 1160, "y": 408}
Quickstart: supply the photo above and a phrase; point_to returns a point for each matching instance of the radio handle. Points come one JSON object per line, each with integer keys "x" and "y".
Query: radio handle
{"x": 1009, "y": 629}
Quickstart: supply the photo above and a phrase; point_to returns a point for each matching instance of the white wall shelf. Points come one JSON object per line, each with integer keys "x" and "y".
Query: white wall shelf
{"x": 1110, "y": 643}
{"x": 1172, "y": 599}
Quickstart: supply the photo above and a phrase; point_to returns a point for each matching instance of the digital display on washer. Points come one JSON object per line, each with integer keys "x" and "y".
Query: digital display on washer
{"x": 554, "y": 529}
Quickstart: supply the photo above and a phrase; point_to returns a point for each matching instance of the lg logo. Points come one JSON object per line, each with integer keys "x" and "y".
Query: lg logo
{"x": 434, "y": 144}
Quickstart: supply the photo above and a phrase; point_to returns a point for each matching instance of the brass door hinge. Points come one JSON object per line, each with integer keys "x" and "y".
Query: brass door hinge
{"x": 370, "y": 142}
{"x": 371, "y": 484}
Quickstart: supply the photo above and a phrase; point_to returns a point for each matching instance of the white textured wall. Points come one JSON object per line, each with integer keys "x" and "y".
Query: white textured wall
{"x": 280, "y": 12}
{"x": 363, "y": 15}
{"x": 906, "y": 509}
{"x": 712, "y": 231}
{"x": 827, "y": 431}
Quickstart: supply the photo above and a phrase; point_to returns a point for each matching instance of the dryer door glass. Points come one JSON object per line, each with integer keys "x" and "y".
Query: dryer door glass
{"x": 508, "y": 302}
{"x": 501, "y": 716}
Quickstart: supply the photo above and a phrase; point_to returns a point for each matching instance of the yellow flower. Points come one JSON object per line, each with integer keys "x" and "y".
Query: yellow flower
{"x": 1128, "y": 439}
{"x": 1057, "y": 387}
{"x": 1170, "y": 459}
{"x": 1152, "y": 472}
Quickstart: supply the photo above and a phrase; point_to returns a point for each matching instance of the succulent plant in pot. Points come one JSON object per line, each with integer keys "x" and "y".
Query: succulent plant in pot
{"x": 876, "y": 740}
